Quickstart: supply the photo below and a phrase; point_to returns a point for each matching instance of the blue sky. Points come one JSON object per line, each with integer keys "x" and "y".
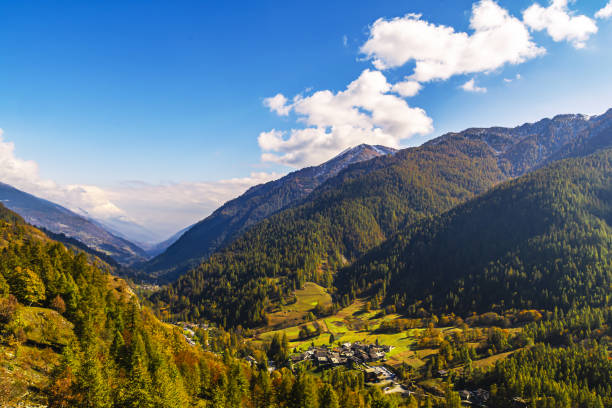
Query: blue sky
{"x": 167, "y": 100}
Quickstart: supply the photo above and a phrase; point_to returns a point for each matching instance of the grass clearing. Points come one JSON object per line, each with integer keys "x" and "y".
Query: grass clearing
{"x": 351, "y": 324}
{"x": 307, "y": 299}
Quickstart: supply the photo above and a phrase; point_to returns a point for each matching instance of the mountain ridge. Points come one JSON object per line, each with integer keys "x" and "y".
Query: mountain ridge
{"x": 362, "y": 206}
{"x": 559, "y": 136}
{"x": 258, "y": 202}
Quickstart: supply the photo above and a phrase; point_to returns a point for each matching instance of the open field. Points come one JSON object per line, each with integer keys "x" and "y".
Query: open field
{"x": 350, "y": 324}
{"x": 353, "y": 323}
{"x": 307, "y": 299}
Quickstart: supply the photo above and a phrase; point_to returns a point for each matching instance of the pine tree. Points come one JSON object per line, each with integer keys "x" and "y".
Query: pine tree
{"x": 328, "y": 397}
{"x": 27, "y": 286}
{"x": 138, "y": 390}
{"x": 303, "y": 393}
{"x": 92, "y": 384}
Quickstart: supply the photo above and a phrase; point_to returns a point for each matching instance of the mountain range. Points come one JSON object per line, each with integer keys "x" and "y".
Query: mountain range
{"x": 365, "y": 204}
{"x": 541, "y": 241}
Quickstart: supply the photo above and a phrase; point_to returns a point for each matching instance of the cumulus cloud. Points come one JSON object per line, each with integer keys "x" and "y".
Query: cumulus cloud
{"x": 560, "y": 23}
{"x": 440, "y": 52}
{"x": 470, "y": 86}
{"x": 365, "y": 112}
{"x": 605, "y": 12}
{"x": 371, "y": 110}
{"x": 278, "y": 104}
{"x": 406, "y": 88}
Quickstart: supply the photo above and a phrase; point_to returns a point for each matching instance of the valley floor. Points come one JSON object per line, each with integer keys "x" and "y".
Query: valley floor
{"x": 410, "y": 347}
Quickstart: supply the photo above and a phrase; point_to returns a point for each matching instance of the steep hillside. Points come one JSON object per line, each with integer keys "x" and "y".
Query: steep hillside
{"x": 156, "y": 249}
{"x": 340, "y": 221}
{"x": 60, "y": 220}
{"x": 72, "y": 336}
{"x": 361, "y": 207}
{"x": 542, "y": 241}
{"x": 222, "y": 226}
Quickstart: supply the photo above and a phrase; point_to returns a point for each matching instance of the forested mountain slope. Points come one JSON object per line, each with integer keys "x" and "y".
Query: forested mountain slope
{"x": 60, "y": 220}
{"x": 72, "y": 336}
{"x": 337, "y": 224}
{"x": 222, "y": 226}
{"x": 361, "y": 207}
{"x": 542, "y": 241}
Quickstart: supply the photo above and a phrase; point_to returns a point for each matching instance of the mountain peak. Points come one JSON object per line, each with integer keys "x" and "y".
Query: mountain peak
{"x": 257, "y": 203}
{"x": 359, "y": 153}
{"x": 570, "y": 117}
{"x": 381, "y": 150}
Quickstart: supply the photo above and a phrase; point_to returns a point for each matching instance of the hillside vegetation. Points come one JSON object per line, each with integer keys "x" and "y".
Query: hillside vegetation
{"x": 344, "y": 218}
{"x": 360, "y": 208}
{"x": 541, "y": 241}
{"x": 235, "y": 216}
{"x": 72, "y": 336}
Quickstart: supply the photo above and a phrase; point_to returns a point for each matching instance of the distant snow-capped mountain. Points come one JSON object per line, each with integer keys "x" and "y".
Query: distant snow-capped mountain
{"x": 60, "y": 220}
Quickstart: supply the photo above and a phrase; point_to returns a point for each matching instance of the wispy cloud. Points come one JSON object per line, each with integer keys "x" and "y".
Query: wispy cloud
{"x": 508, "y": 80}
{"x": 470, "y": 86}
{"x": 167, "y": 207}
{"x": 162, "y": 208}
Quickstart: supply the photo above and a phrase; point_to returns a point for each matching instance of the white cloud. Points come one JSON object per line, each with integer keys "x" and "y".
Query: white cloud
{"x": 366, "y": 112}
{"x": 406, "y": 88}
{"x": 24, "y": 175}
{"x": 517, "y": 77}
{"x": 439, "y": 52}
{"x": 605, "y": 12}
{"x": 162, "y": 208}
{"x": 560, "y": 23}
{"x": 470, "y": 86}
{"x": 165, "y": 208}
{"x": 278, "y": 104}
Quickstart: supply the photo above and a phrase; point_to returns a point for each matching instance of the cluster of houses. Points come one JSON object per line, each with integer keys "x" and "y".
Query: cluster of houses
{"x": 347, "y": 353}
{"x": 477, "y": 398}
{"x": 189, "y": 330}
{"x": 379, "y": 374}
